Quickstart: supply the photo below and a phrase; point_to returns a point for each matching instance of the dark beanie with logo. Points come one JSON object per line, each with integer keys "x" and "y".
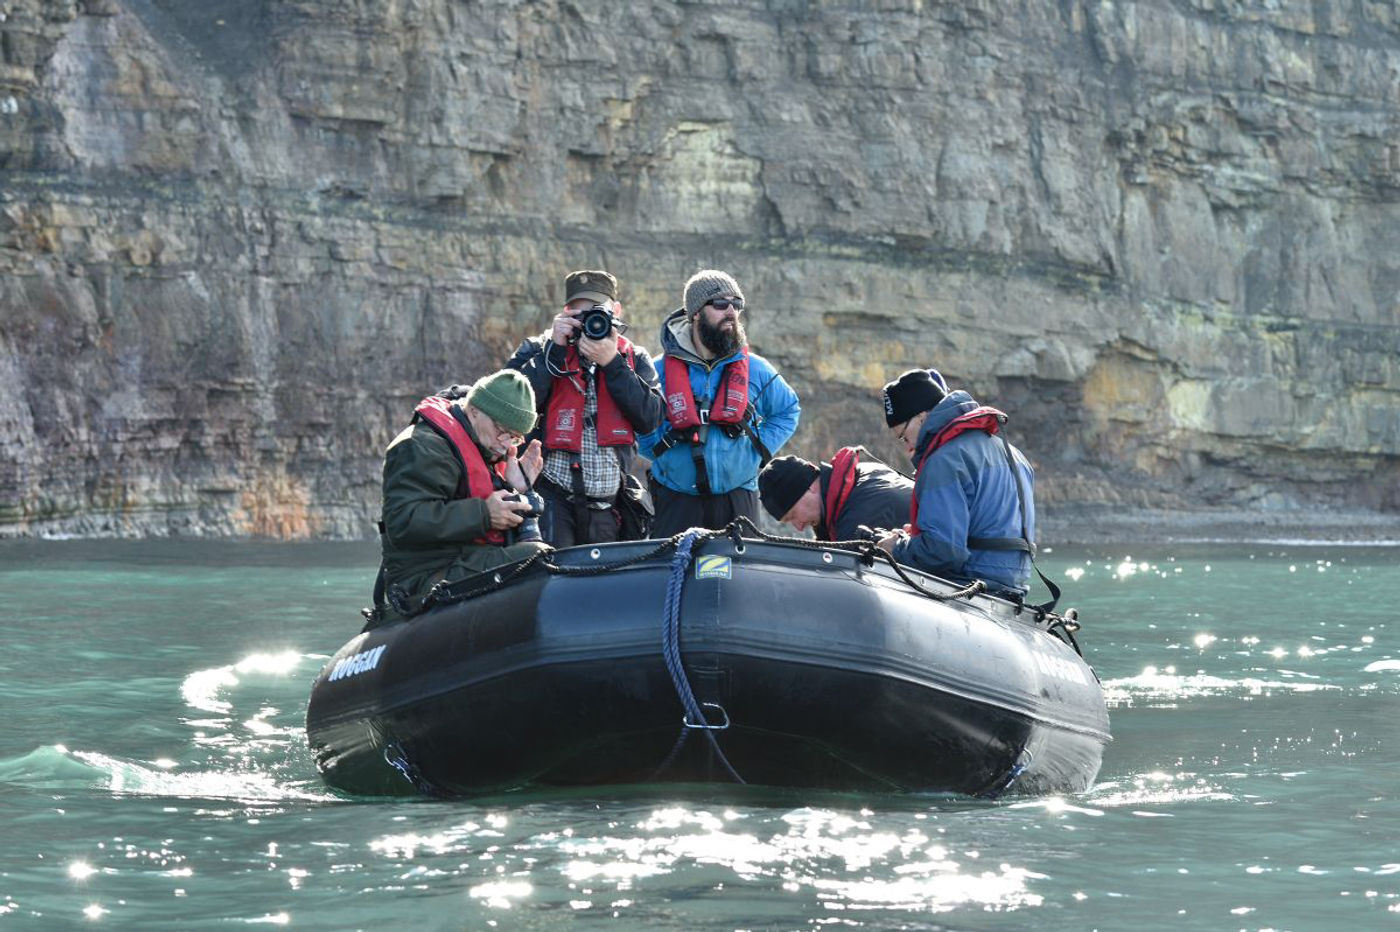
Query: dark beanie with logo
{"x": 782, "y": 482}
{"x": 913, "y": 393}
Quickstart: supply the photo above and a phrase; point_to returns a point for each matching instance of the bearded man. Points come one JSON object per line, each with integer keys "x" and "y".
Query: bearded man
{"x": 728, "y": 411}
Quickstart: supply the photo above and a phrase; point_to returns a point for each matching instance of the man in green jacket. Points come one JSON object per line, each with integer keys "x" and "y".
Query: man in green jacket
{"x": 452, "y": 480}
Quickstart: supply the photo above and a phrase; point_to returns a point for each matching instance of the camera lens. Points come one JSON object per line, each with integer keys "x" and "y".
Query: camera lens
{"x": 596, "y": 322}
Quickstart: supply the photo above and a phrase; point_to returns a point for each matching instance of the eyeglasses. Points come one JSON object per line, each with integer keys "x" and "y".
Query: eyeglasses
{"x": 723, "y": 304}
{"x": 511, "y": 437}
{"x": 904, "y": 431}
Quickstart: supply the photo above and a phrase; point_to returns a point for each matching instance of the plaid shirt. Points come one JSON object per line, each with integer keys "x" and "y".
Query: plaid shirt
{"x": 602, "y": 472}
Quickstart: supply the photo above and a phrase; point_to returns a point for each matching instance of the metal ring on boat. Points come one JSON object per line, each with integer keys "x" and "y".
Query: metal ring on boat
{"x": 826, "y": 556}
{"x": 705, "y": 725}
{"x": 595, "y": 553}
{"x": 738, "y": 548}
{"x": 496, "y": 577}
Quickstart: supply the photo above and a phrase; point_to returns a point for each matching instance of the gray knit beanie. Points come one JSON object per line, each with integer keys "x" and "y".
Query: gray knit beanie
{"x": 706, "y": 285}
{"x": 506, "y": 398}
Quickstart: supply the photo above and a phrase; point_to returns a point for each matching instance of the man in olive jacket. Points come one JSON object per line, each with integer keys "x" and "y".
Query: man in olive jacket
{"x": 451, "y": 484}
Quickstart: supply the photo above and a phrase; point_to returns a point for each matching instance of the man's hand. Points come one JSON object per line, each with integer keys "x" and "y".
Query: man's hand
{"x": 599, "y": 352}
{"x": 504, "y": 509}
{"x": 887, "y": 542}
{"x": 565, "y": 326}
{"x": 523, "y": 470}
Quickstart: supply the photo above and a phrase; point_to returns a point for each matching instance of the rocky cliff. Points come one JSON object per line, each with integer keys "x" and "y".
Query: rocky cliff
{"x": 239, "y": 238}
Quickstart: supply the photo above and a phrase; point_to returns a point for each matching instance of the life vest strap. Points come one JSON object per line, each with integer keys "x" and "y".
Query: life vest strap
{"x": 697, "y": 456}
{"x": 1046, "y": 607}
{"x": 1001, "y": 543}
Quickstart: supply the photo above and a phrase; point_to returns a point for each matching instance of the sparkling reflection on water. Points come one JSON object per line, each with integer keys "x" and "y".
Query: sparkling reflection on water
{"x": 154, "y": 772}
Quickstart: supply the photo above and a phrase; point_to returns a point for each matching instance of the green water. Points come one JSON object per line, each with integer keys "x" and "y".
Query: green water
{"x": 154, "y": 775}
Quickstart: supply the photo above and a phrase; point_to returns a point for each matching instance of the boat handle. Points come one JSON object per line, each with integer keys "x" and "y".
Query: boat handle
{"x": 724, "y": 723}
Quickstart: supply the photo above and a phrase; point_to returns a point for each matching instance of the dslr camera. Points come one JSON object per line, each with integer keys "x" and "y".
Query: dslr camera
{"x": 595, "y": 322}
{"x": 529, "y": 527}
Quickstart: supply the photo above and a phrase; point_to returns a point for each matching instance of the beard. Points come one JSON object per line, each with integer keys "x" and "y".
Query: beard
{"x": 722, "y": 340}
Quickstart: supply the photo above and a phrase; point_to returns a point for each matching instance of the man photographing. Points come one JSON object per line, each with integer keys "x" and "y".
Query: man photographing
{"x": 453, "y": 487}
{"x": 595, "y": 391}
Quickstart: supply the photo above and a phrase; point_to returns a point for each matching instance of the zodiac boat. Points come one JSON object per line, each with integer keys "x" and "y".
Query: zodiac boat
{"x": 711, "y": 657}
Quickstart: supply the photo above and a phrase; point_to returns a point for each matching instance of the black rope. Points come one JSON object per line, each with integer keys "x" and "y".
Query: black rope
{"x": 868, "y": 552}
{"x": 443, "y": 594}
{"x": 1064, "y": 626}
{"x": 737, "y": 530}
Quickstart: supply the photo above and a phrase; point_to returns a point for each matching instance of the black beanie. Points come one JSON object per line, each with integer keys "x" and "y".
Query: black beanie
{"x": 782, "y": 483}
{"x": 913, "y": 393}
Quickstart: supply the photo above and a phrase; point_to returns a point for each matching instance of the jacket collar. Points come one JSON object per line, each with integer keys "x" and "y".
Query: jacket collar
{"x": 952, "y": 405}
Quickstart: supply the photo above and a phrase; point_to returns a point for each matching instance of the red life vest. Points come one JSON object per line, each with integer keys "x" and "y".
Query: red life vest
{"x": 564, "y": 414}
{"x": 728, "y": 407}
{"x": 839, "y": 486}
{"x": 436, "y": 412}
{"x": 983, "y": 418}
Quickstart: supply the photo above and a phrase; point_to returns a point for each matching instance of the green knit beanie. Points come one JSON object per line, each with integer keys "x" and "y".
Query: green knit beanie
{"x": 506, "y": 398}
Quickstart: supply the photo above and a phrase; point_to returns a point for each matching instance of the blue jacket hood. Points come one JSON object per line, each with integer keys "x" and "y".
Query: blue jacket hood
{"x": 953, "y": 404}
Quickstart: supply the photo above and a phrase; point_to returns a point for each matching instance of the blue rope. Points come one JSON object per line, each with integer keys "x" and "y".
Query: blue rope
{"x": 671, "y": 652}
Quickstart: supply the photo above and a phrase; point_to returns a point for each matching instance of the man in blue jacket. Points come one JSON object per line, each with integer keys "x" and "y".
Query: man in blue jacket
{"x": 727, "y": 412}
{"x": 973, "y": 512}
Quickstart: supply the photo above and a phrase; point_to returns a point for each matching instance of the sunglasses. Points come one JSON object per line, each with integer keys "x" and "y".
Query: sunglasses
{"x": 724, "y": 304}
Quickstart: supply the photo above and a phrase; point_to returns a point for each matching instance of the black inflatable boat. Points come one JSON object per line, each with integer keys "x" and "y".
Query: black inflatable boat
{"x": 710, "y": 657}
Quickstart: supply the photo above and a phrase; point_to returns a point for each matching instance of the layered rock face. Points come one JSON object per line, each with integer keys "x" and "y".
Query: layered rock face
{"x": 240, "y": 238}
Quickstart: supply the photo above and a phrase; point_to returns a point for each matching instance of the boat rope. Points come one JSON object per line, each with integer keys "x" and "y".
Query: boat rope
{"x": 865, "y": 549}
{"x": 1061, "y": 626}
{"x": 444, "y": 593}
{"x": 694, "y": 718}
{"x": 740, "y": 528}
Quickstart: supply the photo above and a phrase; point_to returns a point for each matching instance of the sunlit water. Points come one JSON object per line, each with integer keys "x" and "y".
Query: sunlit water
{"x": 154, "y": 773}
